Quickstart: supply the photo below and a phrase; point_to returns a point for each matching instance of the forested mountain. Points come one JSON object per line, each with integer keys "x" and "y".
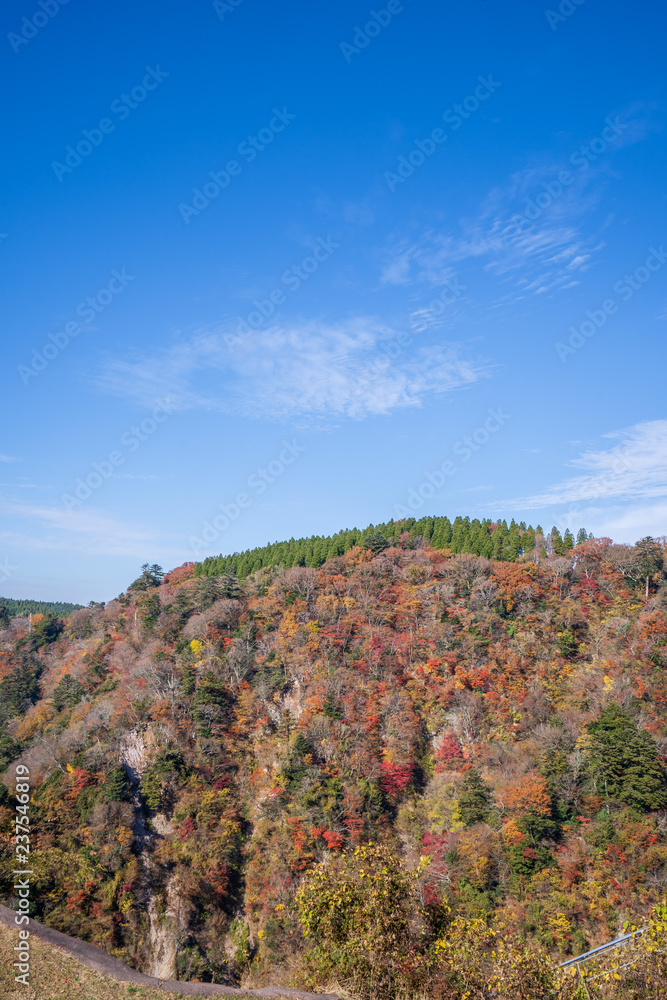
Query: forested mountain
{"x": 495, "y": 540}
{"x": 211, "y": 757}
{"x": 9, "y": 607}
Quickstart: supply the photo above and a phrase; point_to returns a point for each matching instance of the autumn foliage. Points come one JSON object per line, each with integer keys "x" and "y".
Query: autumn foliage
{"x": 490, "y": 729}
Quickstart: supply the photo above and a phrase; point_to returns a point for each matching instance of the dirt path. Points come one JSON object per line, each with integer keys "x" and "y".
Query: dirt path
{"x": 98, "y": 960}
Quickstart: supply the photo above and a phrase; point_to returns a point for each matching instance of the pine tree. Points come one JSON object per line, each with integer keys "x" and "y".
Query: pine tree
{"x": 116, "y": 786}
{"x": 528, "y": 540}
{"x": 623, "y": 761}
{"x": 475, "y": 799}
{"x": 557, "y": 544}
{"x": 649, "y": 558}
{"x": 151, "y": 576}
{"x": 512, "y": 547}
{"x": 376, "y": 542}
{"x": 47, "y": 630}
{"x": 68, "y": 693}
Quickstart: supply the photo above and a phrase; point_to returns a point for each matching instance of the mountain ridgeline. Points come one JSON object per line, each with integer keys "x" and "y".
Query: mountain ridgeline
{"x": 492, "y": 539}
{"x": 12, "y": 608}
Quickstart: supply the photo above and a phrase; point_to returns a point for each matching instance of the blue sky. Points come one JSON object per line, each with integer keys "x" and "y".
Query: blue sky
{"x": 271, "y": 268}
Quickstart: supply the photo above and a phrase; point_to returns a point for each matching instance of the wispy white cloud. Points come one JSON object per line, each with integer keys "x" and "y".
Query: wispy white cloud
{"x": 9, "y": 458}
{"x": 434, "y": 315}
{"x": 351, "y": 369}
{"x": 85, "y": 530}
{"x": 625, "y": 524}
{"x": 528, "y": 232}
{"x": 633, "y": 469}
{"x": 536, "y": 260}
{"x": 428, "y": 259}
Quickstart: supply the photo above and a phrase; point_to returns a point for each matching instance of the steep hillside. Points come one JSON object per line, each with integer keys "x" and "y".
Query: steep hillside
{"x": 198, "y": 745}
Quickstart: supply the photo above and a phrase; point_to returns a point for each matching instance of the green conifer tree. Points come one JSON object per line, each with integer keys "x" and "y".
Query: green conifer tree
{"x": 474, "y": 803}
{"x": 623, "y": 761}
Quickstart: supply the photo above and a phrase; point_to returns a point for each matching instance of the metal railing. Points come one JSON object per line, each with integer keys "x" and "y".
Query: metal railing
{"x": 602, "y": 950}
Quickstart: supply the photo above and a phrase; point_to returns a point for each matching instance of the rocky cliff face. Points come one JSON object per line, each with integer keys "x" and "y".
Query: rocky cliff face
{"x": 138, "y": 749}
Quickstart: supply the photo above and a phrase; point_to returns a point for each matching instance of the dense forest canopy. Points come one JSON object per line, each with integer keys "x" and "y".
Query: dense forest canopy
{"x": 13, "y": 608}
{"x": 493, "y": 539}
{"x": 245, "y": 765}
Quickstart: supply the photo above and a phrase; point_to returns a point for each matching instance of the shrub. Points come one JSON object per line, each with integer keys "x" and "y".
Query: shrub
{"x": 358, "y": 909}
{"x": 479, "y": 958}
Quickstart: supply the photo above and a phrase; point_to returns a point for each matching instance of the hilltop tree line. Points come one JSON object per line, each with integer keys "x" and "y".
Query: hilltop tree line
{"x": 491, "y": 539}
{"x": 10, "y": 608}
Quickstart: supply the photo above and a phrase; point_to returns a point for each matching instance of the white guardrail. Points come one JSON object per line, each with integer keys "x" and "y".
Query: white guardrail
{"x": 580, "y": 960}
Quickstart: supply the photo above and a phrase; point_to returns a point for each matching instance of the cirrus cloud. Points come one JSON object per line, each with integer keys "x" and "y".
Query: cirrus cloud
{"x": 634, "y": 468}
{"x": 353, "y": 369}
